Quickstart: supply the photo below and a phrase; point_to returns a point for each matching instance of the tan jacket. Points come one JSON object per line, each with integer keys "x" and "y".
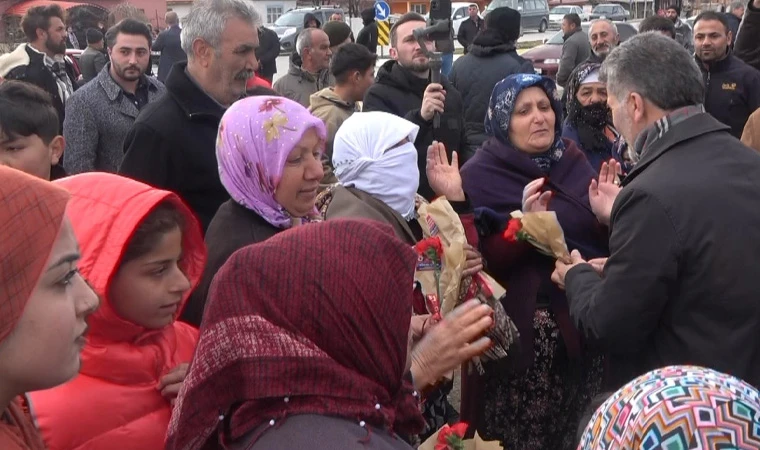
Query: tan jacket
{"x": 751, "y": 134}
{"x": 333, "y": 111}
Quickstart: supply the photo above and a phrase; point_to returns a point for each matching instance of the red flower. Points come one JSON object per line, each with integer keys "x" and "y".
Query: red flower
{"x": 430, "y": 247}
{"x": 270, "y": 105}
{"x": 513, "y": 227}
{"x": 451, "y": 437}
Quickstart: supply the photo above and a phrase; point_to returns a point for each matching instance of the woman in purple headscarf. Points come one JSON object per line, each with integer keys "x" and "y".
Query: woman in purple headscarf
{"x": 268, "y": 150}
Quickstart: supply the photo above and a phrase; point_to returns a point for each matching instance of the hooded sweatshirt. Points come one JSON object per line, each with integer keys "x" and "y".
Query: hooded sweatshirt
{"x": 114, "y": 402}
{"x": 333, "y": 111}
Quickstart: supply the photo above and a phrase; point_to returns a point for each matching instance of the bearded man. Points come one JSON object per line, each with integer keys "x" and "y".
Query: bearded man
{"x": 99, "y": 116}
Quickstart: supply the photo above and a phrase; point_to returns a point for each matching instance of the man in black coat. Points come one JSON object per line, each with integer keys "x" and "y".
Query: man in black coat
{"x": 732, "y": 86}
{"x": 368, "y": 35}
{"x": 169, "y": 44}
{"x": 172, "y": 144}
{"x": 680, "y": 285}
{"x": 745, "y": 47}
{"x": 470, "y": 27}
{"x": 267, "y": 53}
{"x": 403, "y": 88}
{"x": 734, "y": 17}
{"x": 493, "y": 57}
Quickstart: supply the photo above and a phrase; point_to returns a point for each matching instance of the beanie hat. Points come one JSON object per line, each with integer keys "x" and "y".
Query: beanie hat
{"x": 506, "y": 22}
{"x": 338, "y": 32}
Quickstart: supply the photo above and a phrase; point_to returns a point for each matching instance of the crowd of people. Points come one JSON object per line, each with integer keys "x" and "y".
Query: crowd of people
{"x": 196, "y": 262}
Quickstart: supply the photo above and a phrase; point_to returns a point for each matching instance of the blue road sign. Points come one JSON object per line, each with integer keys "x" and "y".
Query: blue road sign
{"x": 382, "y": 10}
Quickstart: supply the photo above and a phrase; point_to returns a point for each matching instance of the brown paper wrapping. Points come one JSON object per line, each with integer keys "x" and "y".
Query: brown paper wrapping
{"x": 546, "y": 233}
{"x": 477, "y": 443}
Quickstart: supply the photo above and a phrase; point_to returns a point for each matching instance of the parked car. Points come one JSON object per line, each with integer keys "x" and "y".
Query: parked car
{"x": 290, "y": 24}
{"x": 546, "y": 57}
{"x": 557, "y": 13}
{"x": 534, "y": 13}
{"x": 609, "y": 11}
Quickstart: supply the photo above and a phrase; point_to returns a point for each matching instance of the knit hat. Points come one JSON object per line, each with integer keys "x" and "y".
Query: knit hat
{"x": 30, "y": 219}
{"x": 506, "y": 21}
{"x": 338, "y": 32}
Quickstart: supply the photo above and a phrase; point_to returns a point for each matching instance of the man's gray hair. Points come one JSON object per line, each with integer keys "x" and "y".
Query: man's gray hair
{"x": 305, "y": 40}
{"x": 612, "y": 24}
{"x": 208, "y": 18}
{"x": 641, "y": 64}
{"x": 736, "y": 5}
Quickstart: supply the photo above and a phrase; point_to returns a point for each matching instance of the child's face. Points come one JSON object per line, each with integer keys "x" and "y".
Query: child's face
{"x": 30, "y": 154}
{"x": 148, "y": 290}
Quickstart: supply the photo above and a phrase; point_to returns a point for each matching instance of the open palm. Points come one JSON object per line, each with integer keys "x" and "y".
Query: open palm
{"x": 444, "y": 177}
{"x": 602, "y": 193}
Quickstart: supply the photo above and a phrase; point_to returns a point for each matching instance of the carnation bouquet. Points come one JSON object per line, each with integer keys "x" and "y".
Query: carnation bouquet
{"x": 541, "y": 230}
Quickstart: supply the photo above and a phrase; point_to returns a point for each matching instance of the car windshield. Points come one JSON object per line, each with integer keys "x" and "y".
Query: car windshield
{"x": 556, "y": 39}
{"x": 500, "y": 3}
{"x": 604, "y": 10}
{"x": 561, "y": 10}
{"x": 290, "y": 19}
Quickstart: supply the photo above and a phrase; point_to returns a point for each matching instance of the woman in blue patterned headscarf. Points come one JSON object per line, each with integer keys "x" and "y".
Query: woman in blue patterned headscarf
{"x": 537, "y": 402}
{"x": 678, "y": 408}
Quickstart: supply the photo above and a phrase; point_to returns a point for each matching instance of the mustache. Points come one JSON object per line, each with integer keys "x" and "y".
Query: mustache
{"x": 244, "y": 75}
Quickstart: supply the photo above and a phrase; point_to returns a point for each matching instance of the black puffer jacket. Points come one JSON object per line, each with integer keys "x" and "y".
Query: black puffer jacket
{"x": 489, "y": 61}
{"x": 399, "y": 92}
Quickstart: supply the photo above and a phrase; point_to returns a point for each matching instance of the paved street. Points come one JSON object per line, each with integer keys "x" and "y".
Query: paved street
{"x": 283, "y": 60}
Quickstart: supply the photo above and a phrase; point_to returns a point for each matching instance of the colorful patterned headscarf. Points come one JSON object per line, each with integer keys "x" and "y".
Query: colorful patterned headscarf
{"x": 502, "y": 105}
{"x": 255, "y": 137}
{"x": 678, "y": 408}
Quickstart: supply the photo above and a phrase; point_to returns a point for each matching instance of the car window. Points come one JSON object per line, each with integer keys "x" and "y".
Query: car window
{"x": 290, "y": 19}
{"x": 541, "y": 5}
{"x": 557, "y": 39}
{"x": 603, "y": 10}
{"x": 561, "y": 10}
{"x": 459, "y": 14}
{"x": 501, "y": 3}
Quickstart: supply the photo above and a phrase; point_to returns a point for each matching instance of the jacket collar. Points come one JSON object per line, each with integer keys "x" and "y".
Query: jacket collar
{"x": 113, "y": 90}
{"x": 695, "y": 125}
{"x": 716, "y": 66}
{"x": 189, "y": 95}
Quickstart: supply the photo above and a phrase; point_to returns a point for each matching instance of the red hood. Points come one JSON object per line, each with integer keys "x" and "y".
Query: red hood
{"x": 542, "y": 52}
{"x": 105, "y": 210}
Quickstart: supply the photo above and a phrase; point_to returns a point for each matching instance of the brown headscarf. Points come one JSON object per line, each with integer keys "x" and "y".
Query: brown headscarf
{"x": 286, "y": 333}
{"x": 30, "y": 218}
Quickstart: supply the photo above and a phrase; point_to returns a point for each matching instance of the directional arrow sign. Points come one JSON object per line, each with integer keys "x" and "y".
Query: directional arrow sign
{"x": 382, "y": 10}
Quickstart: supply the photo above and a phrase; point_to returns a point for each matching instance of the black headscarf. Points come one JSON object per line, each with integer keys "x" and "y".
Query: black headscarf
{"x": 591, "y": 120}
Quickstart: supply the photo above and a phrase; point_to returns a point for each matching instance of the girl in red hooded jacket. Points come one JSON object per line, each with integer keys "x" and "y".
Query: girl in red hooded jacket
{"x": 143, "y": 253}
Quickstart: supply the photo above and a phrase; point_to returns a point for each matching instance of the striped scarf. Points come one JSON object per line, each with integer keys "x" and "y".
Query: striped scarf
{"x": 660, "y": 128}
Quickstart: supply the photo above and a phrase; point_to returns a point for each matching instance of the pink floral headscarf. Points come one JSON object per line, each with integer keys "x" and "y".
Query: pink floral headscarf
{"x": 255, "y": 137}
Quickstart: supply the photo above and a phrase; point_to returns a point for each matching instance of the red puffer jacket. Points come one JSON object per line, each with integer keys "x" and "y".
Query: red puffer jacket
{"x": 114, "y": 403}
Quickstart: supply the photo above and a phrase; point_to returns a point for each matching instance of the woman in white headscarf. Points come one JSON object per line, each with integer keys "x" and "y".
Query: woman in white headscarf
{"x": 376, "y": 165}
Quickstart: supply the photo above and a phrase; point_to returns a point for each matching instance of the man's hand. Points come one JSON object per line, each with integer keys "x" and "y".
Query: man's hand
{"x": 602, "y": 193}
{"x": 560, "y": 268}
{"x": 432, "y": 101}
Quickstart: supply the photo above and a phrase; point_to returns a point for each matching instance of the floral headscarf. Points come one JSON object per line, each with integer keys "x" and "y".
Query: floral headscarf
{"x": 502, "y": 105}
{"x": 255, "y": 137}
{"x": 677, "y": 408}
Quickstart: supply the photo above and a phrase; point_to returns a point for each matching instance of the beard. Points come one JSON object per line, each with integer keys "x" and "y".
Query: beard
{"x": 131, "y": 72}
{"x": 603, "y": 50}
{"x": 59, "y": 48}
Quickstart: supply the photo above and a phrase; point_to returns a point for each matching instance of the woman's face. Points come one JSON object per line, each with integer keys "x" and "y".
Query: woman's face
{"x": 592, "y": 93}
{"x": 531, "y": 129}
{"x": 297, "y": 190}
{"x": 43, "y": 349}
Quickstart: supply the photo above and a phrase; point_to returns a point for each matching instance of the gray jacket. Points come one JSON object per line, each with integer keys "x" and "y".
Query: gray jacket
{"x": 91, "y": 62}
{"x": 575, "y": 50}
{"x": 299, "y": 85}
{"x": 98, "y": 118}
{"x": 684, "y": 35}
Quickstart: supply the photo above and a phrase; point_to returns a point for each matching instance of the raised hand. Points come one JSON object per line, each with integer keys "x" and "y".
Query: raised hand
{"x": 533, "y": 200}
{"x": 444, "y": 177}
{"x": 602, "y": 193}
